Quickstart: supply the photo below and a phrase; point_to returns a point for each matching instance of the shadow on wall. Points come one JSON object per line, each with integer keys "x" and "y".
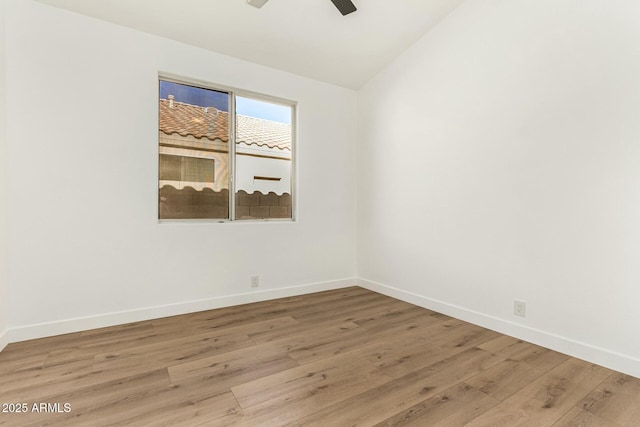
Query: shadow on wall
{"x": 189, "y": 203}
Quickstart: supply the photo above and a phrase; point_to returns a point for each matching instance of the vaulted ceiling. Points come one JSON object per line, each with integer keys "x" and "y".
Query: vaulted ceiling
{"x": 306, "y": 37}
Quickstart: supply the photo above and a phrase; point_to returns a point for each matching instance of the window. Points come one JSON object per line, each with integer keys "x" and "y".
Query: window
{"x": 180, "y": 168}
{"x": 213, "y": 143}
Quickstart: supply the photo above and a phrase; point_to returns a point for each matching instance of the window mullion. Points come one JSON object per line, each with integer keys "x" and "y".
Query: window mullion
{"x": 232, "y": 156}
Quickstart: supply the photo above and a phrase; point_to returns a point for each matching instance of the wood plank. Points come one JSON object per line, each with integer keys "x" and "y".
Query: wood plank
{"x": 17, "y": 364}
{"x": 232, "y": 368}
{"x": 510, "y": 376}
{"x": 375, "y": 405}
{"x": 616, "y": 399}
{"x": 580, "y": 418}
{"x": 344, "y": 374}
{"x": 394, "y": 315}
{"x": 548, "y": 398}
{"x": 421, "y": 329}
{"x": 169, "y": 405}
{"x": 180, "y": 349}
{"x": 453, "y": 407}
{"x": 522, "y": 351}
{"x": 24, "y": 385}
{"x": 302, "y": 329}
{"x": 101, "y": 397}
{"x": 102, "y": 336}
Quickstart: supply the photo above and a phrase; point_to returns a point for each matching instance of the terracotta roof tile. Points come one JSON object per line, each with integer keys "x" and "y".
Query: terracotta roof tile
{"x": 254, "y": 131}
{"x": 200, "y": 122}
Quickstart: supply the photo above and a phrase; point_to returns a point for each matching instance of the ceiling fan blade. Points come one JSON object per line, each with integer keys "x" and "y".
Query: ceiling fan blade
{"x": 345, "y": 6}
{"x": 257, "y": 3}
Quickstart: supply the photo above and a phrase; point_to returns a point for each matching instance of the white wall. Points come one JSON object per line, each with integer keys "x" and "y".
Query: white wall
{"x": 82, "y": 132}
{"x": 4, "y": 185}
{"x": 500, "y": 160}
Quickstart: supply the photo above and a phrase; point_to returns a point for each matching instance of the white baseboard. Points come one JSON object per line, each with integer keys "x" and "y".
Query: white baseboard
{"x": 4, "y": 339}
{"x": 66, "y": 326}
{"x": 600, "y": 356}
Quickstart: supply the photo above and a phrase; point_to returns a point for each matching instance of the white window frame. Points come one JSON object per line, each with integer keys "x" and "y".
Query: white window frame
{"x": 233, "y": 92}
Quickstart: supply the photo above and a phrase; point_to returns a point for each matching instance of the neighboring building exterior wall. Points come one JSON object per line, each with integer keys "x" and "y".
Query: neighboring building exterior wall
{"x": 258, "y": 205}
{"x": 263, "y": 169}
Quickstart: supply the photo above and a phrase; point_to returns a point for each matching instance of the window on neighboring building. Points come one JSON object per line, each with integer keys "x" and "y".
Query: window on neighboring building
{"x": 186, "y": 169}
{"x": 201, "y": 161}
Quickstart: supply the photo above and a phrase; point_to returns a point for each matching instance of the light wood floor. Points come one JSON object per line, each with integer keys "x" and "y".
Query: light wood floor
{"x": 338, "y": 358}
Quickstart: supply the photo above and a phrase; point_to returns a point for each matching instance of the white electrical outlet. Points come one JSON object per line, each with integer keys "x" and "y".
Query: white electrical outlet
{"x": 255, "y": 281}
{"x": 519, "y": 308}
